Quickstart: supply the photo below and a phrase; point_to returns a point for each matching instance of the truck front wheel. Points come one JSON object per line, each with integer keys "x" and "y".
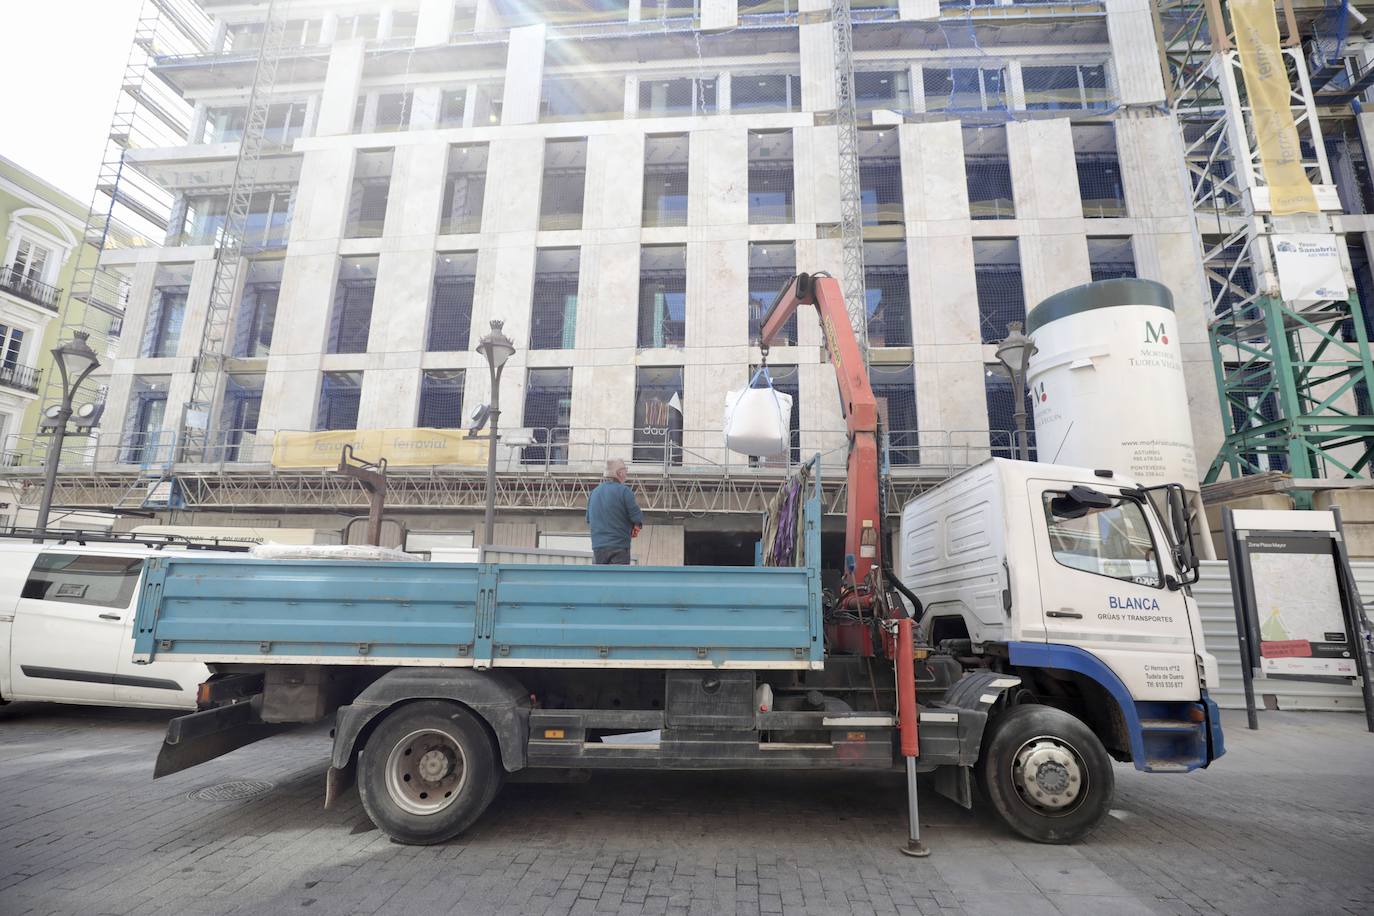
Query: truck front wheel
{"x": 1046, "y": 774}
{"x": 427, "y": 772}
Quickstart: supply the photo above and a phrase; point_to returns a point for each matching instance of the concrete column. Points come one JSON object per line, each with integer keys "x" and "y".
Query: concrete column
{"x": 1135, "y": 55}
{"x": 634, "y": 10}
{"x": 719, "y": 14}
{"x": 386, "y": 19}
{"x": 416, "y": 194}
{"x": 631, "y": 95}
{"x": 486, "y": 17}
{"x": 1016, "y": 87}
{"x": 219, "y": 37}
{"x": 718, "y": 294}
{"x": 724, "y": 90}
{"x": 1044, "y": 181}
{"x": 604, "y": 380}
{"x": 312, "y": 115}
{"x": 514, "y": 166}
{"x": 435, "y": 22}
{"x": 916, "y": 79}
{"x": 400, "y": 307}
{"x": 1152, "y": 171}
{"x": 817, "y": 66}
{"x": 196, "y": 134}
{"x": 424, "y": 107}
{"x": 524, "y": 75}
{"x": 470, "y": 106}
{"x": 197, "y": 306}
{"x": 322, "y": 196}
{"x": 816, "y": 174}
{"x": 176, "y": 221}
{"x": 329, "y": 28}
{"x": 340, "y": 94}
{"x": 719, "y": 176}
{"x": 613, "y": 196}
{"x": 390, "y": 398}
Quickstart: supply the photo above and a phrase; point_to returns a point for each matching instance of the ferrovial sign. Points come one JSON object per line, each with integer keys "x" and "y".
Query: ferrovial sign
{"x": 1309, "y": 268}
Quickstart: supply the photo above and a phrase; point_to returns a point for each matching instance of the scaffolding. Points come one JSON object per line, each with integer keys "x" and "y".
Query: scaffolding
{"x": 1288, "y": 373}
{"x": 128, "y": 208}
{"x": 851, "y": 194}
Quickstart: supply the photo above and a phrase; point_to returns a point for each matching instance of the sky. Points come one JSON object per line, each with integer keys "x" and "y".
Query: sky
{"x": 60, "y": 64}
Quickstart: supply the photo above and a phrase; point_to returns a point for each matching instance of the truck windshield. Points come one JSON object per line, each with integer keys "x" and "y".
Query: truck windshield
{"x": 1114, "y": 542}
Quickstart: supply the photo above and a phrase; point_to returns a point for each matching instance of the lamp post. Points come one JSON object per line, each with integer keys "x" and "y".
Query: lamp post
{"x": 1014, "y": 352}
{"x": 497, "y": 348}
{"x": 75, "y": 360}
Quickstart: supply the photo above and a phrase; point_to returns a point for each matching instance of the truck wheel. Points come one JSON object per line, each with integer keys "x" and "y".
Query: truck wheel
{"x": 1046, "y": 774}
{"x": 427, "y": 772}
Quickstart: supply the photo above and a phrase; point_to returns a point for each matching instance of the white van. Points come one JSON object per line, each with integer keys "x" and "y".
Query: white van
{"x": 66, "y": 628}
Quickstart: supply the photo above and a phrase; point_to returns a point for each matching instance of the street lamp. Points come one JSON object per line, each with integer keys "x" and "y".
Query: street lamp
{"x": 1014, "y": 352}
{"x": 75, "y": 360}
{"x": 497, "y": 348}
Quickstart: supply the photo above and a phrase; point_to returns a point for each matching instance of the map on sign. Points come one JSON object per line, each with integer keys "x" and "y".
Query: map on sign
{"x": 1302, "y": 626}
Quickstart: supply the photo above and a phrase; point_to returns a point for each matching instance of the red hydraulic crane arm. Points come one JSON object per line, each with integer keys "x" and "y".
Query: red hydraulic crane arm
{"x": 861, "y": 542}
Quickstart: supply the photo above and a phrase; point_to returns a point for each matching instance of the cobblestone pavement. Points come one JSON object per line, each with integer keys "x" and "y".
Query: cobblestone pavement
{"x": 1282, "y": 824}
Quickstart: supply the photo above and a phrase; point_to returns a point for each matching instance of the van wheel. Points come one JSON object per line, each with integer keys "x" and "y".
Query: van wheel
{"x": 1046, "y": 774}
{"x": 427, "y": 772}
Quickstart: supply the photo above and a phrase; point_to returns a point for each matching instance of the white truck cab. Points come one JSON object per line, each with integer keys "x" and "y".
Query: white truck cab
{"x": 1070, "y": 578}
{"x": 66, "y": 628}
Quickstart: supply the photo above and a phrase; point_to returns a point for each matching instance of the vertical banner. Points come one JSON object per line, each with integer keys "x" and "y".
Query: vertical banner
{"x": 1271, "y": 107}
{"x": 1309, "y": 268}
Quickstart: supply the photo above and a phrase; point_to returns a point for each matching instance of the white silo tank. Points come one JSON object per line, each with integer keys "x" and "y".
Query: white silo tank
{"x": 1107, "y": 382}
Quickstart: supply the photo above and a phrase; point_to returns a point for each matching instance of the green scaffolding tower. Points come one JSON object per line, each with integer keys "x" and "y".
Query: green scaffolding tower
{"x": 1293, "y": 378}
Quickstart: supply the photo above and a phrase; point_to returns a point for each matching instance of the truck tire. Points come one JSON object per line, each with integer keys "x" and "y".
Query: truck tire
{"x": 427, "y": 772}
{"x": 1046, "y": 774}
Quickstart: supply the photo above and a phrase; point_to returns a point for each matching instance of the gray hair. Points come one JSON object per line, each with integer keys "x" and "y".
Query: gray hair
{"x": 614, "y": 465}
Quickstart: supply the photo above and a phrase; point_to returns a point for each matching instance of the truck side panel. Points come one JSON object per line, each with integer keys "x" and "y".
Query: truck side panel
{"x": 450, "y": 614}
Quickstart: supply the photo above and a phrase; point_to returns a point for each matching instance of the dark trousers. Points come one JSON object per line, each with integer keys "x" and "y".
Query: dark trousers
{"x": 612, "y": 556}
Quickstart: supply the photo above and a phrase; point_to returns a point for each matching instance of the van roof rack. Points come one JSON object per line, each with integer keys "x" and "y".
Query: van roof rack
{"x": 158, "y": 541}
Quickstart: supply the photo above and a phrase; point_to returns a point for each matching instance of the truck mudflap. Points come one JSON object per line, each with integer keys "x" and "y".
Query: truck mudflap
{"x": 496, "y": 697}
{"x": 966, "y": 707}
{"x": 1165, "y": 737}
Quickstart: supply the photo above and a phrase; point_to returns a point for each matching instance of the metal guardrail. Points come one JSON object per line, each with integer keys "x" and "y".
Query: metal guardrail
{"x": 13, "y": 280}
{"x": 540, "y": 450}
{"x": 22, "y": 378}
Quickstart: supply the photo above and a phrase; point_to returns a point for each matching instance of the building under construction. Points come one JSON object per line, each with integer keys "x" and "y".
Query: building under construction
{"x": 331, "y": 201}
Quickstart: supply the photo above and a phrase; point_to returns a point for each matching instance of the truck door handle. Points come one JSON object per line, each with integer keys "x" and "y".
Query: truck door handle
{"x": 1074, "y": 614}
{"x": 109, "y": 617}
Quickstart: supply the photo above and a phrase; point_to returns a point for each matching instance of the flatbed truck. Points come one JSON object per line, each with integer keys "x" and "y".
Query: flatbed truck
{"x": 1040, "y": 627}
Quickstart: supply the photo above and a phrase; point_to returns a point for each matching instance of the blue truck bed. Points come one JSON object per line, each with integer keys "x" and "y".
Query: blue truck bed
{"x": 245, "y": 609}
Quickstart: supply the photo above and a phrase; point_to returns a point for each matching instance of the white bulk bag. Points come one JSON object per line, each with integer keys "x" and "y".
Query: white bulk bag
{"x": 757, "y": 419}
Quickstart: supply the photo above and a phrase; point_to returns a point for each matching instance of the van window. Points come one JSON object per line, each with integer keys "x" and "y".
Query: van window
{"x": 83, "y": 579}
{"x": 1114, "y": 541}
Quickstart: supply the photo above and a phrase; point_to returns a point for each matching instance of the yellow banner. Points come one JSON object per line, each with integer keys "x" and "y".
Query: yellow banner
{"x": 1271, "y": 107}
{"x": 400, "y": 447}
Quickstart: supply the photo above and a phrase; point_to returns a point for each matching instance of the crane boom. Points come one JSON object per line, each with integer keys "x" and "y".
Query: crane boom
{"x": 862, "y": 545}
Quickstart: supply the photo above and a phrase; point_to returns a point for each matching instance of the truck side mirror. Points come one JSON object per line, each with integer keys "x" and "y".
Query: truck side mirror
{"x": 1078, "y": 502}
{"x": 1181, "y": 523}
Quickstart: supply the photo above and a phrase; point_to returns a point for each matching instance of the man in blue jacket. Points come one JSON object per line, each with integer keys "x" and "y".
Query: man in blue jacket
{"x": 614, "y": 516}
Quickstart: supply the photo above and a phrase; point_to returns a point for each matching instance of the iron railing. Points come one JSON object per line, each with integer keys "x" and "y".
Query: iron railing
{"x": 21, "y": 378}
{"x": 13, "y": 280}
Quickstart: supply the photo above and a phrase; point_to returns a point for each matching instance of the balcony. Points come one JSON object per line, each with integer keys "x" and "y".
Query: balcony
{"x": 20, "y": 378}
{"x": 12, "y": 280}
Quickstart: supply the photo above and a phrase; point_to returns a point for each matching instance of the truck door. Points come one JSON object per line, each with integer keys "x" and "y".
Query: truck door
{"x": 1103, "y": 563}
{"x": 69, "y": 626}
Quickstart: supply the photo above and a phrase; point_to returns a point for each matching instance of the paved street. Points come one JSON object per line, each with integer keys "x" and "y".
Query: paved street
{"x": 1281, "y": 825}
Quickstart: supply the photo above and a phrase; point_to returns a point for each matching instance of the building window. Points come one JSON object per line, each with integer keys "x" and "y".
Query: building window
{"x": 997, "y": 273}
{"x": 669, "y": 9}
{"x": 987, "y": 169}
{"x": 268, "y": 223}
{"x": 450, "y": 313}
{"x": 660, "y": 98}
{"x": 665, "y": 180}
{"x": 553, "y": 310}
{"x": 382, "y": 112}
{"x": 404, "y": 23}
{"x": 1099, "y": 171}
{"x": 168, "y": 310}
{"x": 452, "y": 106}
{"x": 658, "y": 414}
{"x": 143, "y": 437}
{"x": 882, "y": 89}
{"x": 548, "y": 414}
{"x": 591, "y": 98}
{"x": 11, "y": 348}
{"x": 770, "y": 176}
{"x": 765, "y": 92}
{"x": 441, "y": 399}
{"x": 361, "y": 26}
{"x": 1075, "y": 86}
{"x": 285, "y": 122}
{"x": 487, "y": 104}
{"x": 880, "y": 177}
{"x": 30, "y": 265}
{"x": 351, "y": 318}
{"x": 239, "y": 415}
{"x": 894, "y": 388}
{"x": 258, "y": 309}
{"x": 340, "y": 394}
{"x": 1350, "y": 170}
{"x": 565, "y": 178}
{"x": 368, "y": 197}
{"x": 771, "y": 266}
{"x": 888, "y": 296}
{"x": 662, "y": 296}
{"x": 1001, "y": 401}
{"x": 786, "y": 380}
{"x": 964, "y": 89}
{"x": 465, "y": 188}
{"x": 560, "y": 12}
{"x": 1111, "y": 258}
